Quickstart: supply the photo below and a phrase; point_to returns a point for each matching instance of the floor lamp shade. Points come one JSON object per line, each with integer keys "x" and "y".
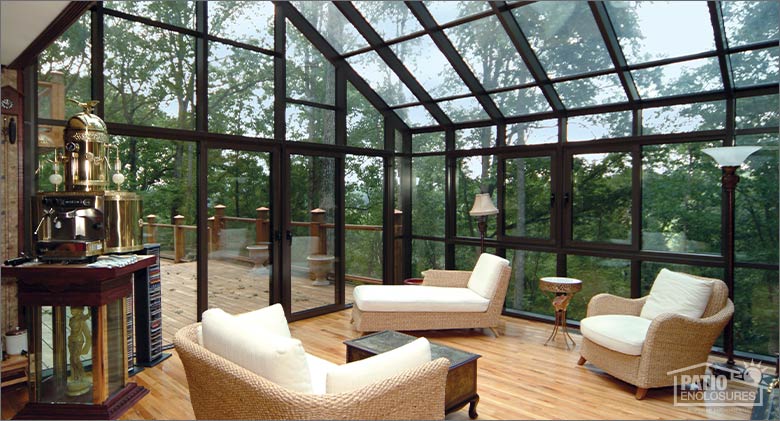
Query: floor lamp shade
{"x": 483, "y": 206}
{"x": 730, "y": 156}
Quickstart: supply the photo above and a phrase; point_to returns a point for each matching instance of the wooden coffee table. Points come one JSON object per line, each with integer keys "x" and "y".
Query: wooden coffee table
{"x": 461, "y": 386}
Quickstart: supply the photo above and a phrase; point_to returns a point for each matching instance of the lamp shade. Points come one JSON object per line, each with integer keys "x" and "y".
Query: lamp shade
{"x": 483, "y": 206}
{"x": 730, "y": 156}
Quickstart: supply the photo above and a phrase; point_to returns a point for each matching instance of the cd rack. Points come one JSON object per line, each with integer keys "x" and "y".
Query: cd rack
{"x": 148, "y": 311}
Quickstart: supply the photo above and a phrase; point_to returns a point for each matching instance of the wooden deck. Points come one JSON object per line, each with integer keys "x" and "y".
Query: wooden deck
{"x": 234, "y": 287}
{"x": 518, "y": 378}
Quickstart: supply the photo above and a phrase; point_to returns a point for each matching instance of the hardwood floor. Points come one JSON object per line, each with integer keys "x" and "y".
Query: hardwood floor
{"x": 518, "y": 378}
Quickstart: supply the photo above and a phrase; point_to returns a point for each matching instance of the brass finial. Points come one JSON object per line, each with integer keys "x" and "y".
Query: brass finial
{"x": 86, "y": 106}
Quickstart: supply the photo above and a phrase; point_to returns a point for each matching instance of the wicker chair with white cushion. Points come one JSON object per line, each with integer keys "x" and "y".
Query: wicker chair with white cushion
{"x": 640, "y": 340}
{"x": 249, "y": 367}
{"x": 447, "y": 299}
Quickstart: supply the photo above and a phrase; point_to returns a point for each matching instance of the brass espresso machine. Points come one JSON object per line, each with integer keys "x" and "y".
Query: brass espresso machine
{"x": 86, "y": 220}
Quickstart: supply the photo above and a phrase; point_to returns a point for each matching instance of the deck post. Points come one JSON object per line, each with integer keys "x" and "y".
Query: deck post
{"x": 320, "y": 242}
{"x": 178, "y": 238}
{"x": 261, "y": 226}
{"x": 151, "y": 224}
{"x": 398, "y": 244}
{"x": 212, "y": 237}
{"x": 219, "y": 224}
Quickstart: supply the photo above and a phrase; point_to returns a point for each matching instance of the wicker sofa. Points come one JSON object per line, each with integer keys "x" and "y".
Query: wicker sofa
{"x": 220, "y": 389}
{"x": 497, "y": 271}
{"x": 672, "y": 341}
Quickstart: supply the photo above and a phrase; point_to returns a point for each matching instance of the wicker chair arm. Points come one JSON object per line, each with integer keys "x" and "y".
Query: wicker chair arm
{"x": 674, "y": 341}
{"x": 220, "y": 389}
{"x": 612, "y": 304}
{"x": 447, "y": 278}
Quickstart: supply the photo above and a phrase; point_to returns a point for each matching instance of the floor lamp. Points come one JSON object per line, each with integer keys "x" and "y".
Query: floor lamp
{"x": 729, "y": 158}
{"x": 483, "y": 207}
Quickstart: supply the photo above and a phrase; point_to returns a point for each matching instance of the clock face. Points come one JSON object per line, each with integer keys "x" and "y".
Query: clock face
{"x": 7, "y": 104}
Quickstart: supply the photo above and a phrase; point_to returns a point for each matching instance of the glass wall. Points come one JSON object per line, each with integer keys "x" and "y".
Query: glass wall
{"x": 595, "y": 176}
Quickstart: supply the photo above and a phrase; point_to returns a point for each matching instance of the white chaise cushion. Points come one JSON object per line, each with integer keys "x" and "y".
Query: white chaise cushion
{"x": 270, "y": 318}
{"x": 408, "y": 298}
{"x": 618, "y": 332}
{"x": 319, "y": 371}
{"x": 486, "y": 274}
{"x": 352, "y": 376}
{"x": 675, "y": 292}
{"x": 279, "y": 359}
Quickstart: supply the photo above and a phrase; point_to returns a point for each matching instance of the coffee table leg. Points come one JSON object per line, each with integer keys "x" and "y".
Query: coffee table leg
{"x": 473, "y": 407}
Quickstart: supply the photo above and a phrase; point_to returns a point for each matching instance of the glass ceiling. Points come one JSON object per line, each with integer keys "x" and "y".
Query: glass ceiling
{"x": 669, "y": 48}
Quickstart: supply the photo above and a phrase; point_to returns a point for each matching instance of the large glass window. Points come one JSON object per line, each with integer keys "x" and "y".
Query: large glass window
{"x": 528, "y": 200}
{"x": 426, "y": 254}
{"x": 428, "y": 178}
{"x": 149, "y": 74}
{"x": 365, "y": 125}
{"x": 250, "y": 22}
{"x": 310, "y": 77}
{"x": 601, "y": 197}
{"x": 241, "y": 92}
{"x": 598, "y": 275}
{"x": 527, "y": 268}
{"x": 681, "y": 199}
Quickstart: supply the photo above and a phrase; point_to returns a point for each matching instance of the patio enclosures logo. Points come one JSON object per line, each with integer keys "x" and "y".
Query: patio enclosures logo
{"x": 718, "y": 386}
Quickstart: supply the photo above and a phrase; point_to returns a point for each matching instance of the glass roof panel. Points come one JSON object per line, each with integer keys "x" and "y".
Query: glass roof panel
{"x": 747, "y": 22}
{"x": 176, "y": 12}
{"x": 599, "y": 90}
{"x": 416, "y": 116}
{"x": 490, "y": 54}
{"x": 313, "y": 74}
{"x": 755, "y": 67}
{"x": 448, "y": 11}
{"x": 758, "y": 111}
{"x": 464, "y": 109}
{"x": 564, "y": 36}
{"x": 679, "y": 78}
{"x": 429, "y": 66}
{"x": 532, "y": 133}
{"x": 598, "y": 126}
{"x": 384, "y": 81}
{"x": 251, "y": 22}
{"x": 331, "y": 24}
{"x": 390, "y": 19}
{"x": 654, "y": 30}
{"x": 684, "y": 118}
{"x": 521, "y": 102}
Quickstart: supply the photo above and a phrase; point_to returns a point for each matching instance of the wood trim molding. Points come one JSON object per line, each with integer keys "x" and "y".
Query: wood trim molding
{"x": 60, "y": 24}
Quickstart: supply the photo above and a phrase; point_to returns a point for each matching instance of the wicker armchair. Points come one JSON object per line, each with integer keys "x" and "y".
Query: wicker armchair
{"x": 672, "y": 342}
{"x": 220, "y": 389}
{"x": 373, "y": 321}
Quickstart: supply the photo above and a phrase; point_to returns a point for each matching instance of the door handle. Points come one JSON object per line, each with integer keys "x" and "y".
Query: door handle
{"x": 565, "y": 198}
{"x": 289, "y": 236}
{"x": 552, "y": 199}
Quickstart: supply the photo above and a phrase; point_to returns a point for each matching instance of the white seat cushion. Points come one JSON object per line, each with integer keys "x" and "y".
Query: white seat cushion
{"x": 270, "y": 318}
{"x": 621, "y": 333}
{"x": 352, "y": 376}
{"x": 407, "y": 298}
{"x": 279, "y": 359}
{"x": 486, "y": 274}
{"x": 675, "y": 292}
{"x": 319, "y": 371}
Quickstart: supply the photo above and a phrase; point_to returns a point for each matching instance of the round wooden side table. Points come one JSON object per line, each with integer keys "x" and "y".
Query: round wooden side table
{"x": 564, "y": 289}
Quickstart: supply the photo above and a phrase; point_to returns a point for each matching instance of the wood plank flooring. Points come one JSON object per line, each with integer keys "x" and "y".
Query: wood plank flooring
{"x": 518, "y": 378}
{"x": 234, "y": 287}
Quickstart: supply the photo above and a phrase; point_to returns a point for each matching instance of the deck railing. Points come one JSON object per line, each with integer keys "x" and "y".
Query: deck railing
{"x": 218, "y": 228}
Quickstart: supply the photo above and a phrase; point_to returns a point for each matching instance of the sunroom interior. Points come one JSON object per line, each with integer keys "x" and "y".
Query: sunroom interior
{"x": 290, "y": 152}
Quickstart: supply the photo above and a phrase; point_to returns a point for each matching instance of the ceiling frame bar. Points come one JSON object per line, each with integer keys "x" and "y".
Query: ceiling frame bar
{"x": 532, "y": 62}
{"x": 721, "y": 45}
{"x": 395, "y": 64}
{"x": 599, "y": 10}
{"x": 456, "y": 60}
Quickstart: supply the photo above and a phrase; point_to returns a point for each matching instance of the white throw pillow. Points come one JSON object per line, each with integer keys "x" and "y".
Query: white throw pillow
{"x": 279, "y": 359}
{"x": 675, "y": 292}
{"x": 352, "y": 376}
{"x": 270, "y": 318}
{"x": 484, "y": 278}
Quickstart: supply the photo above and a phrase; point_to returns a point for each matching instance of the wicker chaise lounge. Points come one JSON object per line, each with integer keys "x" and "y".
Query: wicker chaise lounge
{"x": 674, "y": 344}
{"x": 408, "y": 307}
{"x": 220, "y": 389}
